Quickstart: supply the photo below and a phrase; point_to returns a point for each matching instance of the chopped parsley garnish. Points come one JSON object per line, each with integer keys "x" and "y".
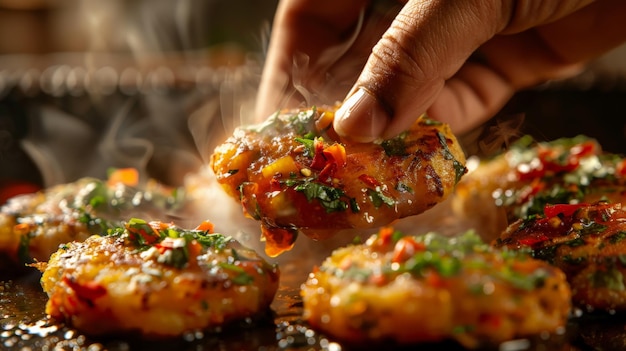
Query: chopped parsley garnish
{"x": 611, "y": 278}
{"x": 309, "y": 146}
{"x": 302, "y": 121}
{"x": 575, "y": 242}
{"x": 379, "y": 198}
{"x": 592, "y": 228}
{"x": 395, "y": 146}
{"x": 574, "y": 260}
{"x": 23, "y": 250}
{"x": 172, "y": 242}
{"x": 242, "y": 278}
{"x": 332, "y": 199}
{"x": 459, "y": 168}
{"x": 447, "y": 257}
{"x": 617, "y": 237}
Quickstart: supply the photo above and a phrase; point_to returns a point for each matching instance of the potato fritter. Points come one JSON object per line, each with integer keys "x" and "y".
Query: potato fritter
{"x": 293, "y": 174}
{"x": 156, "y": 280}
{"x": 32, "y": 226}
{"x": 427, "y": 288}
{"x": 521, "y": 181}
{"x": 586, "y": 241}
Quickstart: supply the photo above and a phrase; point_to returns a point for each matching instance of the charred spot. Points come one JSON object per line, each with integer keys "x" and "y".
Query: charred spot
{"x": 433, "y": 178}
{"x": 416, "y": 162}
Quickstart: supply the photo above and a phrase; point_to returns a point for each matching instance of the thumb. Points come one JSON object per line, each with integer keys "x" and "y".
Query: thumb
{"x": 426, "y": 44}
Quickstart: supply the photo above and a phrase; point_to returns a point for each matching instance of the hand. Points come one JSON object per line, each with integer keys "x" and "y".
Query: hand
{"x": 458, "y": 61}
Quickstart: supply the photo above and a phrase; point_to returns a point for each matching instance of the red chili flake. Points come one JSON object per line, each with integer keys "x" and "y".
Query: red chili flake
{"x": 319, "y": 159}
{"x": 327, "y": 173}
{"x": 369, "y": 180}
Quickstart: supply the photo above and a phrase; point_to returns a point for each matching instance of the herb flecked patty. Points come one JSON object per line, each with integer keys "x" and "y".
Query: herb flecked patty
{"x": 520, "y": 181}
{"x": 156, "y": 280}
{"x": 32, "y": 226}
{"x": 410, "y": 289}
{"x": 586, "y": 241}
{"x": 294, "y": 174}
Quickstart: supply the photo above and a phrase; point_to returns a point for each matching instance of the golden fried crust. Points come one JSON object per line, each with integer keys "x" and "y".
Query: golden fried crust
{"x": 291, "y": 173}
{"x": 587, "y": 242}
{"x": 32, "y": 226}
{"x": 519, "y": 182}
{"x": 410, "y": 289}
{"x": 109, "y": 284}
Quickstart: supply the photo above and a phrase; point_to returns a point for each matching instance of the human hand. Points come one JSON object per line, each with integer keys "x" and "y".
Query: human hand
{"x": 458, "y": 61}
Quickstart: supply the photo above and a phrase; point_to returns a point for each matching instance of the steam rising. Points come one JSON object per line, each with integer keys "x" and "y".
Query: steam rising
{"x": 148, "y": 95}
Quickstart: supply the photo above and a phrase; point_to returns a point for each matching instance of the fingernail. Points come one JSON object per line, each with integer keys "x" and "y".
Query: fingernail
{"x": 361, "y": 118}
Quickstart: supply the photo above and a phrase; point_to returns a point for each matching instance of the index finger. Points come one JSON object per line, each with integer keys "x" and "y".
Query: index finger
{"x": 301, "y": 29}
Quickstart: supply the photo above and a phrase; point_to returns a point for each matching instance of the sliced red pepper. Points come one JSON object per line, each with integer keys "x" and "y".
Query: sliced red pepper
{"x": 319, "y": 158}
{"x": 551, "y": 210}
{"x": 369, "y": 180}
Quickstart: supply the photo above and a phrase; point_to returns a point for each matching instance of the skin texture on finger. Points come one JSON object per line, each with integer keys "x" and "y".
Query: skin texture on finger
{"x": 520, "y": 15}
{"x": 425, "y": 45}
{"x": 513, "y": 62}
{"x": 302, "y": 29}
{"x": 418, "y": 64}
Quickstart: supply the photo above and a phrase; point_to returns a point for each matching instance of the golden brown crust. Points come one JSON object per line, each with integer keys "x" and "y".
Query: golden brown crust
{"x": 517, "y": 183}
{"x": 293, "y": 174}
{"x": 411, "y": 289}
{"x": 156, "y": 284}
{"x": 32, "y": 226}
{"x": 587, "y": 242}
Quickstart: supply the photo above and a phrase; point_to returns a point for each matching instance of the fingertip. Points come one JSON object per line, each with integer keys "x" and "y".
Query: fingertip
{"x": 361, "y": 117}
